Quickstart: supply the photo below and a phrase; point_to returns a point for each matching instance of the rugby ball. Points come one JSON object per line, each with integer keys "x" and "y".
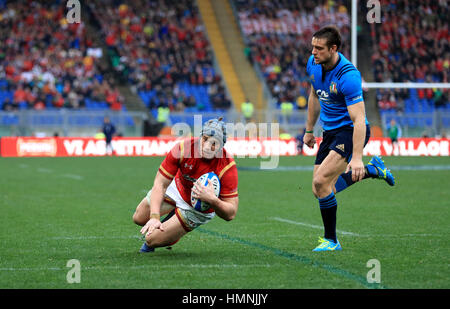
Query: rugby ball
{"x": 204, "y": 180}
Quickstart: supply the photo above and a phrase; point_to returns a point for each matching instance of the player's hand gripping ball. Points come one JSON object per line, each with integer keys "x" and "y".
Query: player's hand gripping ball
{"x": 204, "y": 180}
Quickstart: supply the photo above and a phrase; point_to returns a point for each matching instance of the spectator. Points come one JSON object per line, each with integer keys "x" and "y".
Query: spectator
{"x": 156, "y": 47}
{"x": 20, "y": 95}
{"x": 58, "y": 100}
{"x": 412, "y": 45}
{"x": 9, "y": 106}
{"x": 301, "y": 102}
{"x": 279, "y": 39}
{"x": 439, "y": 97}
{"x": 60, "y": 57}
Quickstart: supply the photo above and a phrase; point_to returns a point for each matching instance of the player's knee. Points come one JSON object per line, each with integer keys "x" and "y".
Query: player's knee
{"x": 138, "y": 219}
{"x": 319, "y": 184}
{"x": 154, "y": 241}
{"x": 150, "y": 241}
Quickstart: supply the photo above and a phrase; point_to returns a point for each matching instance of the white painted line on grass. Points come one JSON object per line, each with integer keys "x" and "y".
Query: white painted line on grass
{"x": 303, "y": 168}
{"x": 350, "y": 233}
{"x": 73, "y": 176}
{"x": 313, "y": 226}
{"x": 49, "y": 171}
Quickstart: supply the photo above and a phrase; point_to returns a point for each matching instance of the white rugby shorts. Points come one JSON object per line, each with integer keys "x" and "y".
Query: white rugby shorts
{"x": 188, "y": 216}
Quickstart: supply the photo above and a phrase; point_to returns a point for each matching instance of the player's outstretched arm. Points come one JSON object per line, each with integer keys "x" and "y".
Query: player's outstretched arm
{"x": 160, "y": 185}
{"x": 313, "y": 114}
{"x": 159, "y": 188}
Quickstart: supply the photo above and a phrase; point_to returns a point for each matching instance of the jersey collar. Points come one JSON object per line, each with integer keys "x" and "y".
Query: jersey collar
{"x": 334, "y": 66}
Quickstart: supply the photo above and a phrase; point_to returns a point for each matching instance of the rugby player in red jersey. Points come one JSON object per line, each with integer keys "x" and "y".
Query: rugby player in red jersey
{"x": 176, "y": 177}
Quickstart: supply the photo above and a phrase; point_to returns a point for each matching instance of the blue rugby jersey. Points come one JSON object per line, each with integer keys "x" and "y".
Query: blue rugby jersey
{"x": 336, "y": 89}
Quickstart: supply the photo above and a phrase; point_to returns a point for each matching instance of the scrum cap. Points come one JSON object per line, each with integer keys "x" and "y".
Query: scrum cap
{"x": 215, "y": 128}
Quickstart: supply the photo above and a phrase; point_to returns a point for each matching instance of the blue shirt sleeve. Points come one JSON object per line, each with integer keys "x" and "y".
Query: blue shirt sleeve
{"x": 351, "y": 88}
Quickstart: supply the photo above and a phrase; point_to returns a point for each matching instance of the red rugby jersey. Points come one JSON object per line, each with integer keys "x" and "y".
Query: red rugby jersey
{"x": 184, "y": 162}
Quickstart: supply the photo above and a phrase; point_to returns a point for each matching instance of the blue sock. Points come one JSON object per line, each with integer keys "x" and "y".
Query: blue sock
{"x": 328, "y": 209}
{"x": 342, "y": 183}
{"x": 372, "y": 171}
{"x": 345, "y": 179}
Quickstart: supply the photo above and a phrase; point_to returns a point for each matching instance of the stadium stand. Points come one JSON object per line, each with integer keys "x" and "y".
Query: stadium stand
{"x": 278, "y": 37}
{"x": 279, "y": 34}
{"x": 412, "y": 45}
{"x": 47, "y": 63}
{"x": 161, "y": 50}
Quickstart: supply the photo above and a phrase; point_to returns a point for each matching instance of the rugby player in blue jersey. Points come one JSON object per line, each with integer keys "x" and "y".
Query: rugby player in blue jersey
{"x": 336, "y": 95}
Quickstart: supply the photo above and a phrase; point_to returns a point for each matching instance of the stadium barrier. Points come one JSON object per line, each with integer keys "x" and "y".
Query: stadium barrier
{"x": 238, "y": 147}
{"x": 68, "y": 122}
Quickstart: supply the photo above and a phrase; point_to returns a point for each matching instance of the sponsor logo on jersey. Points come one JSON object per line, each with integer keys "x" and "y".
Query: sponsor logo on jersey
{"x": 323, "y": 95}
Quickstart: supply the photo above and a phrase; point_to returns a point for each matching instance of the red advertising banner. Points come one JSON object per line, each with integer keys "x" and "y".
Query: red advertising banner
{"x": 148, "y": 146}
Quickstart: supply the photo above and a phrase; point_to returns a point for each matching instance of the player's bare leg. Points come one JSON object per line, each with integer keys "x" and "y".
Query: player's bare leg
{"x": 142, "y": 213}
{"x": 172, "y": 232}
{"x": 326, "y": 174}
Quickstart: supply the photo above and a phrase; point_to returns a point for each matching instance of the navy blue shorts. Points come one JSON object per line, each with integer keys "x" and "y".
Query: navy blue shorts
{"x": 339, "y": 140}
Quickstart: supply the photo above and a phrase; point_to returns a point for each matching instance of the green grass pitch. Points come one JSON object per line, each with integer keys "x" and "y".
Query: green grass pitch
{"x": 57, "y": 209}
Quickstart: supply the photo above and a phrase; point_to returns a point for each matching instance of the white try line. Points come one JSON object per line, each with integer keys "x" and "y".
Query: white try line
{"x": 350, "y": 233}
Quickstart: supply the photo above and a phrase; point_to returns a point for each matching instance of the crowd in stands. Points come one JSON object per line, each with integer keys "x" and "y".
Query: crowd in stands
{"x": 161, "y": 49}
{"x": 46, "y": 62}
{"x": 278, "y": 35}
{"x": 411, "y": 44}
{"x": 412, "y": 100}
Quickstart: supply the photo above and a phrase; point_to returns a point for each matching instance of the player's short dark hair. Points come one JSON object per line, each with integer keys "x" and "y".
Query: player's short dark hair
{"x": 331, "y": 34}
